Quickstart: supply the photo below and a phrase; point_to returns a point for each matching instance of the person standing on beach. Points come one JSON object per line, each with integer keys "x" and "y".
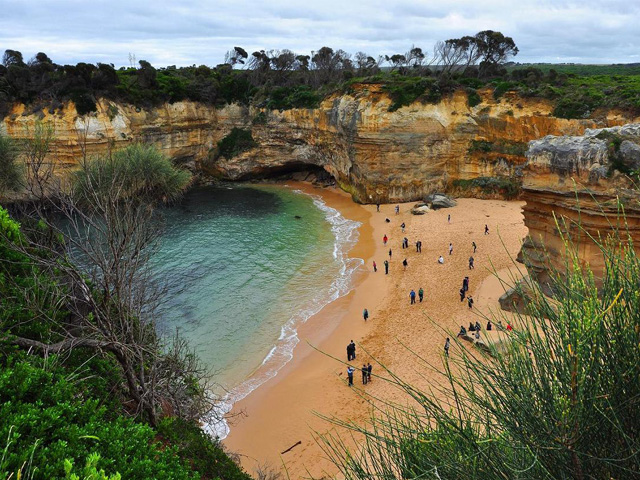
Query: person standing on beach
{"x": 353, "y": 350}
{"x": 349, "y": 352}
{"x": 486, "y": 229}
{"x": 449, "y": 218}
{"x": 405, "y": 263}
{"x": 418, "y": 246}
{"x": 473, "y": 244}
{"x": 378, "y": 206}
{"x": 375, "y": 267}
{"x": 405, "y": 242}
{"x": 385, "y": 239}
{"x": 441, "y": 260}
{"x": 462, "y": 294}
{"x": 369, "y": 368}
{"x": 386, "y": 267}
{"x": 450, "y": 248}
{"x": 397, "y": 209}
{"x": 350, "y": 371}
{"x": 470, "y": 301}
{"x": 471, "y": 267}
{"x": 447, "y": 344}
{"x": 465, "y": 284}
{"x": 421, "y": 294}
{"x": 402, "y": 226}
{"x": 412, "y": 296}
{"x": 365, "y": 314}
{"x": 389, "y": 254}
{"x": 365, "y": 374}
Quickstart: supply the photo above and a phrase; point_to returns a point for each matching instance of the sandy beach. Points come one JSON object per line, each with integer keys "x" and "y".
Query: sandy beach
{"x": 284, "y": 411}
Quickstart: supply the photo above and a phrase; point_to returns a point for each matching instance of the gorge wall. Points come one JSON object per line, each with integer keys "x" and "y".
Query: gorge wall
{"x": 578, "y": 180}
{"x": 373, "y": 153}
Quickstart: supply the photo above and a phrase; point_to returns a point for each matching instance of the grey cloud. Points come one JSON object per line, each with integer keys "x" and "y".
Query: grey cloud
{"x": 194, "y": 32}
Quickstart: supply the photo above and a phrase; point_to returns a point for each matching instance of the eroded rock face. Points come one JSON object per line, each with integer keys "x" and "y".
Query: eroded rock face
{"x": 573, "y": 189}
{"x": 375, "y": 154}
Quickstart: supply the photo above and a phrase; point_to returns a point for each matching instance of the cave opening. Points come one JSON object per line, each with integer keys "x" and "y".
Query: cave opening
{"x": 293, "y": 171}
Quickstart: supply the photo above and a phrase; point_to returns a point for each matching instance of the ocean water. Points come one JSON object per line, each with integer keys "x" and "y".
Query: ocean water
{"x": 242, "y": 273}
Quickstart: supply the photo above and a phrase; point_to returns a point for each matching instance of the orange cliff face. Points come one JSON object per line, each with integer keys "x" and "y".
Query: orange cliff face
{"x": 577, "y": 180}
{"x": 374, "y": 154}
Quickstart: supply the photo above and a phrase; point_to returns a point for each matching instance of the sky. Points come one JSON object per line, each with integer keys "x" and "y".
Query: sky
{"x": 188, "y": 32}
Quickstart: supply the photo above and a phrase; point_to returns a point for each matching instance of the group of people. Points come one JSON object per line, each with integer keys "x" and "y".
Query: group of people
{"x": 351, "y": 348}
{"x": 412, "y": 295}
{"x": 366, "y": 367}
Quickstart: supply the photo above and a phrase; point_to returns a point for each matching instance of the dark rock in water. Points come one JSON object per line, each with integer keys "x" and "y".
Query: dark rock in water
{"x": 297, "y": 217}
{"x": 439, "y": 200}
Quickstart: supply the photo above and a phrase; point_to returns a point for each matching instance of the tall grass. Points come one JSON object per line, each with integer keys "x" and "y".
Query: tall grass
{"x": 559, "y": 400}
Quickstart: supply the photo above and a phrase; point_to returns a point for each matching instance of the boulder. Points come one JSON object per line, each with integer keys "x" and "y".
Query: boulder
{"x": 439, "y": 200}
{"x": 630, "y": 153}
{"x": 420, "y": 208}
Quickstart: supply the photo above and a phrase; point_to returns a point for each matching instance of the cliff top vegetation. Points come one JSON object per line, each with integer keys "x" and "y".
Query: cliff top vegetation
{"x": 282, "y": 79}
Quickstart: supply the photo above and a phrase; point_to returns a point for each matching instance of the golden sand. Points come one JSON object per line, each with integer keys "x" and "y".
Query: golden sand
{"x": 282, "y": 412}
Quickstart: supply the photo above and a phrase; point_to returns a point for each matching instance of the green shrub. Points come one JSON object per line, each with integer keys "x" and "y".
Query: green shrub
{"x": 236, "y": 142}
{"x": 205, "y": 454}
{"x": 480, "y": 146}
{"x": 137, "y": 172}
{"x": 473, "y": 99}
{"x": 404, "y": 91}
{"x": 84, "y": 102}
{"x": 67, "y": 423}
{"x": 571, "y": 108}
{"x": 284, "y": 98}
{"x": 501, "y": 88}
{"x": 508, "y": 187}
{"x": 11, "y": 172}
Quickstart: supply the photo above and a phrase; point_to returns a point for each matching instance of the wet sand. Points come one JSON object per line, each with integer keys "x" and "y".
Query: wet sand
{"x": 282, "y": 412}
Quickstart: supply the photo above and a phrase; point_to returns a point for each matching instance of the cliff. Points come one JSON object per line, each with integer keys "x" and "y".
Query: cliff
{"x": 375, "y": 154}
{"x": 579, "y": 180}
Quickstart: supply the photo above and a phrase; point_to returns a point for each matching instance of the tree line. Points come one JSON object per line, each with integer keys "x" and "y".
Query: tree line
{"x": 266, "y": 77}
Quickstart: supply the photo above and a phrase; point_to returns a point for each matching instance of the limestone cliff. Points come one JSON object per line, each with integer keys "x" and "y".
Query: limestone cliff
{"x": 375, "y": 154}
{"x": 578, "y": 179}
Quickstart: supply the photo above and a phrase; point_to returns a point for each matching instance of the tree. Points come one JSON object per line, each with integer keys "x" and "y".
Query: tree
{"x": 40, "y": 180}
{"x": 327, "y": 64}
{"x": 457, "y": 54}
{"x": 146, "y": 75}
{"x": 237, "y": 56}
{"x": 494, "y": 49}
{"x": 11, "y": 173}
{"x": 415, "y": 57}
{"x": 12, "y": 57}
{"x": 110, "y": 229}
{"x": 397, "y": 61}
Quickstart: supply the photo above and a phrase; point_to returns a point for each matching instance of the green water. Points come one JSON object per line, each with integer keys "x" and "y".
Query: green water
{"x": 242, "y": 272}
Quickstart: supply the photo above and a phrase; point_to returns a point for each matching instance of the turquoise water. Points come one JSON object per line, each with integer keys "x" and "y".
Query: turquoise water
{"x": 242, "y": 272}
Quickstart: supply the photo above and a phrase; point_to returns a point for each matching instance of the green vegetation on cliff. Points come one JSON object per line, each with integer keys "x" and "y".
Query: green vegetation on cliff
{"x": 236, "y": 142}
{"x": 282, "y": 79}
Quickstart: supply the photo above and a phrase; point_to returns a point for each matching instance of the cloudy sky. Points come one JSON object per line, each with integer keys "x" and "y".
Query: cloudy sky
{"x": 186, "y": 32}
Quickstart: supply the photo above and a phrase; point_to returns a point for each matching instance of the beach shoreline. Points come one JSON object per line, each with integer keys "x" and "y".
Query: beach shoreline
{"x": 281, "y": 413}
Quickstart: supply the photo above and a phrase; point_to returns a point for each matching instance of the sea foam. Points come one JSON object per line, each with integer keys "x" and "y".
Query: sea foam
{"x": 345, "y": 233}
